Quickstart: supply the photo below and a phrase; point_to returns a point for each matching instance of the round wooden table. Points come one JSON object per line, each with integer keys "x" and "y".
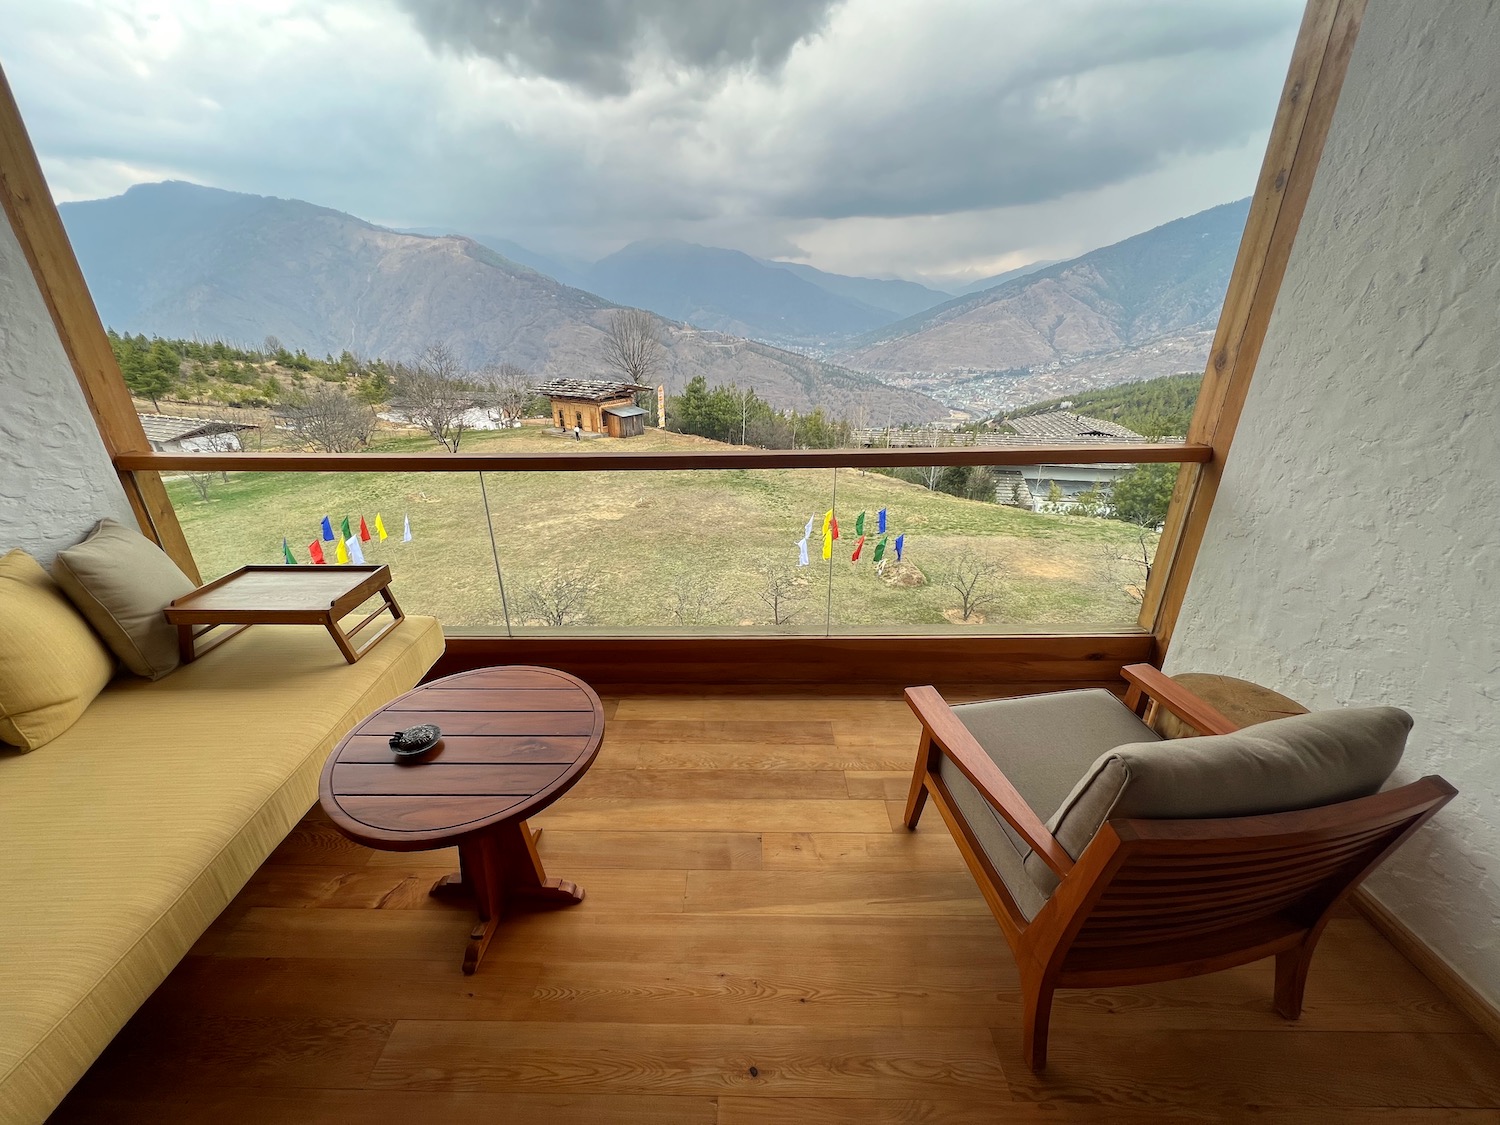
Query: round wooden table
{"x": 514, "y": 740}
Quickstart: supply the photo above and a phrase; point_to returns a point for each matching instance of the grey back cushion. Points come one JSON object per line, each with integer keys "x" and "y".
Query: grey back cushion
{"x": 1299, "y": 762}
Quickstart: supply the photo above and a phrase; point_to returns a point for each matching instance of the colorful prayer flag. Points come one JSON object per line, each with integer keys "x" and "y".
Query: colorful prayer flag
{"x": 807, "y": 532}
{"x": 859, "y": 524}
{"x": 364, "y": 531}
{"x": 900, "y": 540}
{"x": 379, "y": 527}
{"x": 315, "y": 552}
{"x": 802, "y": 552}
{"x": 827, "y": 521}
{"x": 828, "y": 544}
{"x": 286, "y": 553}
{"x": 880, "y": 550}
{"x": 880, "y": 521}
{"x": 327, "y": 530}
{"x": 406, "y": 534}
{"x": 341, "y": 555}
{"x": 833, "y": 527}
{"x": 858, "y": 547}
{"x": 344, "y": 527}
{"x": 355, "y": 554}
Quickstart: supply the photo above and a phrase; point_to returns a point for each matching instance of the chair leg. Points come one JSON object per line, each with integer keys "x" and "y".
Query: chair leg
{"x": 916, "y": 797}
{"x": 1036, "y": 1018}
{"x": 1291, "y": 977}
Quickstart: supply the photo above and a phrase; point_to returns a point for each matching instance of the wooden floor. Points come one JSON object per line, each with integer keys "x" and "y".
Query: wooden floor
{"x": 759, "y": 945}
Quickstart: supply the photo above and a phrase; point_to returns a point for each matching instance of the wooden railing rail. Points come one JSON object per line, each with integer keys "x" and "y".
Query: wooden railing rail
{"x": 1092, "y": 454}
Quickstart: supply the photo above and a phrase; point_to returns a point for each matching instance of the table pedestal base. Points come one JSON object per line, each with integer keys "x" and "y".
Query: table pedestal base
{"x": 495, "y": 870}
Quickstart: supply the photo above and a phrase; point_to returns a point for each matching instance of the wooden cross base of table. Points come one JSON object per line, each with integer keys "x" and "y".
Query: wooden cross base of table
{"x": 498, "y": 871}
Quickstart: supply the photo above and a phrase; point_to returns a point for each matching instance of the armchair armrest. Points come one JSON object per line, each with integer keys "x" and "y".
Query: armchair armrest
{"x": 1147, "y": 680}
{"x": 950, "y": 736}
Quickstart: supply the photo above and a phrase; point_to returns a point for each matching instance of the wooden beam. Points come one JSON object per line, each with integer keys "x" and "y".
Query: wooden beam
{"x": 1320, "y": 60}
{"x": 28, "y": 206}
{"x": 1114, "y": 453}
{"x": 813, "y": 664}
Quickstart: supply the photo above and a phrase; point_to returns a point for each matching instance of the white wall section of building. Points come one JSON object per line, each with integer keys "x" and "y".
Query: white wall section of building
{"x": 55, "y": 477}
{"x": 1353, "y": 555}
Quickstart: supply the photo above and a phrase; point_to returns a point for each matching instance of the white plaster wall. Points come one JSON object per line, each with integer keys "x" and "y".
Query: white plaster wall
{"x": 1353, "y": 552}
{"x": 55, "y": 478}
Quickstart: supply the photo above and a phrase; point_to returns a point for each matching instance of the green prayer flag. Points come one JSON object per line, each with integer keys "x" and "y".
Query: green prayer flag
{"x": 286, "y": 553}
{"x": 879, "y": 550}
{"x": 347, "y": 533}
{"x": 859, "y": 524}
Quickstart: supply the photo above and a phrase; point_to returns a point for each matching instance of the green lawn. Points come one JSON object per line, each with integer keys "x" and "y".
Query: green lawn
{"x": 674, "y": 548}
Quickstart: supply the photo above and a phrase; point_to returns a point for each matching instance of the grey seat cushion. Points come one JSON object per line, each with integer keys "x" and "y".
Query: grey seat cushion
{"x": 1043, "y": 744}
{"x": 1299, "y": 762}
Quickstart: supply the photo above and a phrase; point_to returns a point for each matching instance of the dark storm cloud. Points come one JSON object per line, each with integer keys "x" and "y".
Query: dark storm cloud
{"x": 592, "y": 44}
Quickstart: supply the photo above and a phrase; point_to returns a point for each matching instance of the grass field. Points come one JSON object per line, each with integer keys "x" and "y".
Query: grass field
{"x": 677, "y": 548}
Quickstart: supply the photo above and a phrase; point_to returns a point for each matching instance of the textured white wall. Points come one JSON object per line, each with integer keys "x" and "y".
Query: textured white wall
{"x": 1353, "y": 555}
{"x": 55, "y": 479}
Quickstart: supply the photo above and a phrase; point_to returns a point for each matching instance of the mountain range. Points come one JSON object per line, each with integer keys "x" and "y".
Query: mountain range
{"x": 180, "y": 260}
{"x": 1139, "y": 301}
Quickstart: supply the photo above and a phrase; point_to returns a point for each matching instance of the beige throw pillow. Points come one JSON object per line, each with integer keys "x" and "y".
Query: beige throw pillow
{"x": 51, "y": 663}
{"x": 121, "y": 582}
{"x": 1299, "y": 762}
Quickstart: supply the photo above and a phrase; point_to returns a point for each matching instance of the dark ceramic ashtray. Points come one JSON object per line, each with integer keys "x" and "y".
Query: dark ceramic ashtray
{"x": 415, "y": 740}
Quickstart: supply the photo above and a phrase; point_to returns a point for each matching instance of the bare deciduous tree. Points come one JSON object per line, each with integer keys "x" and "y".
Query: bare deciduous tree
{"x": 1141, "y": 556}
{"x": 201, "y": 482}
{"x": 510, "y": 388}
{"x": 330, "y": 420}
{"x": 780, "y": 592}
{"x": 559, "y": 598}
{"x": 972, "y": 578}
{"x": 694, "y": 599}
{"x": 434, "y": 394}
{"x": 633, "y": 346}
{"x": 930, "y": 475}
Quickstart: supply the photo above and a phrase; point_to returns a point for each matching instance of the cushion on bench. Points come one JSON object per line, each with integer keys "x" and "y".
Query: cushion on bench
{"x": 126, "y": 835}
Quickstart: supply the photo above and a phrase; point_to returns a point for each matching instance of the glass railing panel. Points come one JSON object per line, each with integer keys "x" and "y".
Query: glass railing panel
{"x": 444, "y": 569}
{"x": 690, "y": 551}
{"x": 995, "y": 549}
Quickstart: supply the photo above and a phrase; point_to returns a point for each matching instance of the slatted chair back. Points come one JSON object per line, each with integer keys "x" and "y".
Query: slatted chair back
{"x": 1164, "y": 892}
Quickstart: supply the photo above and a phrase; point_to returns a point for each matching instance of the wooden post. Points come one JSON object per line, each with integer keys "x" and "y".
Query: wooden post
{"x": 1320, "y": 60}
{"x": 28, "y": 206}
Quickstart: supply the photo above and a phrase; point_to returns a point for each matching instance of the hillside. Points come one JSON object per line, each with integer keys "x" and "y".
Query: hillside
{"x": 727, "y": 291}
{"x": 1160, "y": 290}
{"x": 1156, "y": 407}
{"x": 179, "y": 260}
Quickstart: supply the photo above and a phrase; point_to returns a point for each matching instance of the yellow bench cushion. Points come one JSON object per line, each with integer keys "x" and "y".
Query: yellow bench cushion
{"x": 134, "y": 828}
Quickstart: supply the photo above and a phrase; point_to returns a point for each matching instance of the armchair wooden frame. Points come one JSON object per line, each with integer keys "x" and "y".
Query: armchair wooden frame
{"x": 1155, "y": 900}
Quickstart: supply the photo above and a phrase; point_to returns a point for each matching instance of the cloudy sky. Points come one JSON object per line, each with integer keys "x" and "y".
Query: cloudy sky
{"x": 919, "y": 138}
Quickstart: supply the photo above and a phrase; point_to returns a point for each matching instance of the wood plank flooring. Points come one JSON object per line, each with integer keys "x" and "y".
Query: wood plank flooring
{"x": 758, "y": 946}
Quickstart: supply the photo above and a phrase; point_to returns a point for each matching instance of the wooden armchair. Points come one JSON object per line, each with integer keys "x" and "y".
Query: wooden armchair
{"x": 1167, "y": 860}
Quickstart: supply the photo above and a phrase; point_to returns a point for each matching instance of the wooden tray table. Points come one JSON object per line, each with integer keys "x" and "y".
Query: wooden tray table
{"x": 285, "y": 595}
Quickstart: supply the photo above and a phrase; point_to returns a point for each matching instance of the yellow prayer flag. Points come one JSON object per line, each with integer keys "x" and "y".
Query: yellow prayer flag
{"x": 828, "y": 543}
{"x": 827, "y": 523}
{"x": 379, "y": 526}
{"x": 341, "y": 554}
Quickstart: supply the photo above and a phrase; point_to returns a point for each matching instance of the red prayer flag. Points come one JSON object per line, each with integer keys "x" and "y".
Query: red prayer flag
{"x": 858, "y": 547}
{"x": 315, "y": 551}
{"x": 833, "y": 527}
{"x": 364, "y": 532}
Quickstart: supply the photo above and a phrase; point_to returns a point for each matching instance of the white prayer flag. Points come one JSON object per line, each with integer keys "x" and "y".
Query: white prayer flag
{"x": 802, "y": 552}
{"x": 406, "y": 534}
{"x": 356, "y": 556}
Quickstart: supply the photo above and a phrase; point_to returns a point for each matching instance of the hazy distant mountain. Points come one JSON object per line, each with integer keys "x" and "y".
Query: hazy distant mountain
{"x": 899, "y": 298}
{"x": 727, "y": 291}
{"x": 1156, "y": 287}
{"x": 176, "y": 259}
{"x": 1001, "y": 278}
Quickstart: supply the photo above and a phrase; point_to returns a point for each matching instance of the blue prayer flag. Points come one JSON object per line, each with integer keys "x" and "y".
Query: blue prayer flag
{"x": 880, "y": 515}
{"x": 327, "y": 530}
{"x": 900, "y": 541}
